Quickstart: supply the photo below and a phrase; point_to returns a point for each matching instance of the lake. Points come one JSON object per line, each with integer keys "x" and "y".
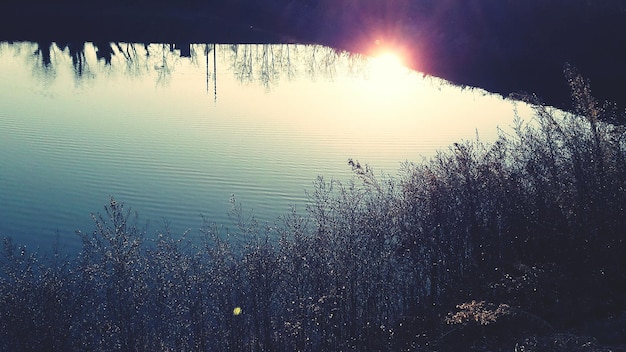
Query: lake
{"x": 173, "y": 131}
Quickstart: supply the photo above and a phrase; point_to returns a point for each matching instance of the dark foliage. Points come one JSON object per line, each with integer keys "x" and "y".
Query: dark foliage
{"x": 516, "y": 245}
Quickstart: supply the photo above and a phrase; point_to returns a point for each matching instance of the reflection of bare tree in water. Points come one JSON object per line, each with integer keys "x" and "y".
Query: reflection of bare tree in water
{"x": 43, "y": 51}
{"x": 132, "y": 58}
{"x": 312, "y": 64}
{"x": 43, "y": 66}
{"x": 104, "y": 52}
{"x": 197, "y": 51}
{"x": 79, "y": 61}
{"x": 355, "y": 64}
{"x": 163, "y": 67}
{"x": 285, "y": 64}
{"x": 327, "y": 63}
{"x": 143, "y": 58}
{"x": 242, "y": 62}
{"x": 265, "y": 64}
{"x": 48, "y": 53}
{"x": 322, "y": 62}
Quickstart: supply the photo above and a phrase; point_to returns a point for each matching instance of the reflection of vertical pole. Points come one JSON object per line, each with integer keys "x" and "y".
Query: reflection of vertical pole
{"x": 206, "y": 53}
{"x": 214, "y": 72}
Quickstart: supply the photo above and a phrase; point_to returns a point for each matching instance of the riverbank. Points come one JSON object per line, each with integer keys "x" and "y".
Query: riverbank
{"x": 427, "y": 261}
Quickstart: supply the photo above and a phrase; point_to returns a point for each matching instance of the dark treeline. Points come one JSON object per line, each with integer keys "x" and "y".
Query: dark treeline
{"x": 516, "y": 245}
{"x": 506, "y": 46}
{"x": 264, "y": 64}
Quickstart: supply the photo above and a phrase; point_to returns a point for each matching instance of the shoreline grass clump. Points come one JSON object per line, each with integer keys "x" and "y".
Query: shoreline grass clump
{"x": 532, "y": 223}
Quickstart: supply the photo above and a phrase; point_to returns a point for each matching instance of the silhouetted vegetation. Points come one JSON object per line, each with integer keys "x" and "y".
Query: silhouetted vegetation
{"x": 516, "y": 245}
{"x": 265, "y": 64}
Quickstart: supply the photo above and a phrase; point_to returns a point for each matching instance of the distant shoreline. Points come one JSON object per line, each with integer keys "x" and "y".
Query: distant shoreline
{"x": 490, "y": 54}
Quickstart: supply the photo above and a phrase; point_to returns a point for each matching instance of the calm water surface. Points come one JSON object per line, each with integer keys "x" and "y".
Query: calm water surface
{"x": 174, "y": 132}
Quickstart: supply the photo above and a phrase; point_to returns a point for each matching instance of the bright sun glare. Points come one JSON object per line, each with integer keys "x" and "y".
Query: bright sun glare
{"x": 387, "y": 73}
{"x": 386, "y": 62}
{"x": 388, "y": 58}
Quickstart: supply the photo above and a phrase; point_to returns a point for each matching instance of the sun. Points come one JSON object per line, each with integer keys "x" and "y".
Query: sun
{"x": 386, "y": 66}
{"x": 388, "y": 58}
{"x": 386, "y": 63}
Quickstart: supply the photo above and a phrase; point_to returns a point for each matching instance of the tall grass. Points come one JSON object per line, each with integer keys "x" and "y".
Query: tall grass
{"x": 533, "y": 222}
